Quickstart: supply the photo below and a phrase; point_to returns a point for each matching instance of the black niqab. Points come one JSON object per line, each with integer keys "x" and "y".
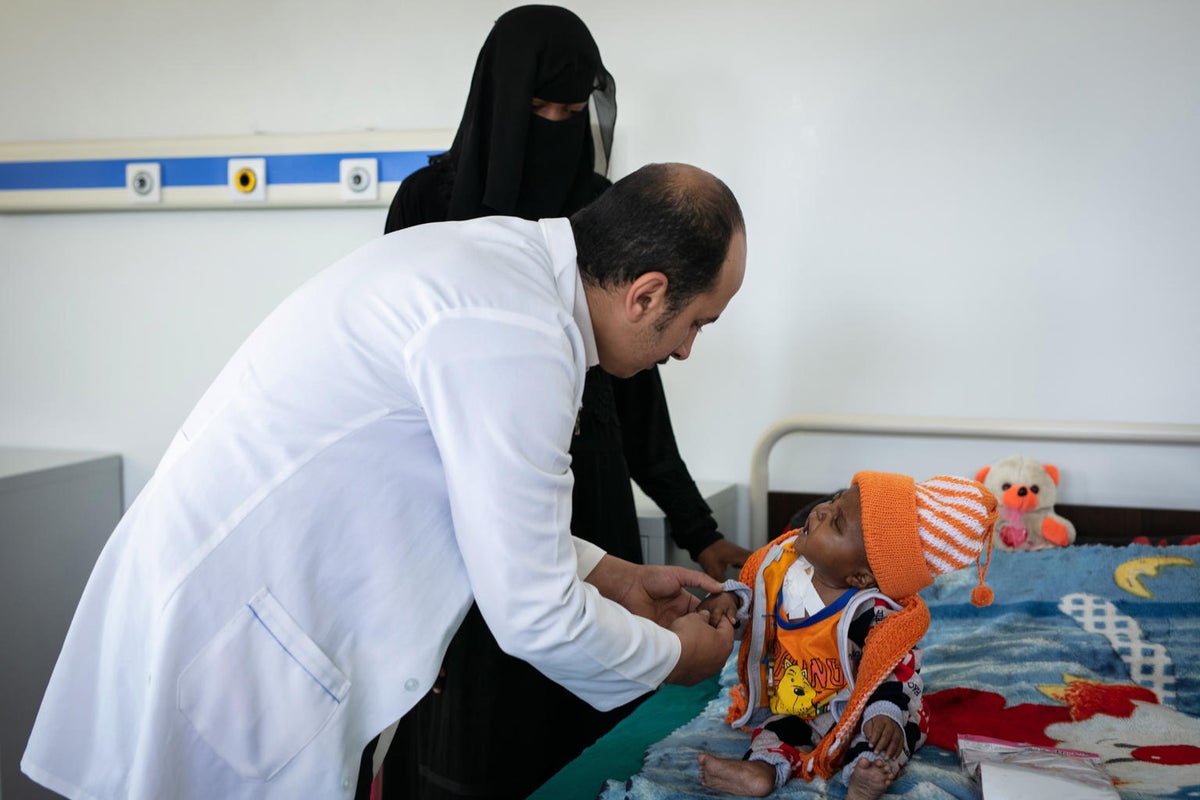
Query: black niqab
{"x": 506, "y": 159}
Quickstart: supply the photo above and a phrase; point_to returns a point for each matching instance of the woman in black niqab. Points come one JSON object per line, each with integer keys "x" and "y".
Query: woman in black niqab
{"x": 505, "y": 158}
{"x": 525, "y": 148}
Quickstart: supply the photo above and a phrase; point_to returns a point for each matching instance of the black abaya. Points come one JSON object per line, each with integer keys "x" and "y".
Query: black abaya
{"x": 499, "y": 728}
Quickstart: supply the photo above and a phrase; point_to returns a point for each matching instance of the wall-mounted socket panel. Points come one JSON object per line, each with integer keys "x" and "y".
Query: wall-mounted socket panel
{"x": 248, "y": 179}
{"x": 360, "y": 179}
{"x": 143, "y": 181}
{"x": 314, "y": 170}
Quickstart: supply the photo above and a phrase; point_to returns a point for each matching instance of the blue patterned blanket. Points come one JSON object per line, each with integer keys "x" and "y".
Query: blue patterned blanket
{"x": 1089, "y": 648}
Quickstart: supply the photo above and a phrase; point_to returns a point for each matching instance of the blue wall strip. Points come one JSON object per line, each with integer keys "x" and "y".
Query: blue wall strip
{"x": 201, "y": 170}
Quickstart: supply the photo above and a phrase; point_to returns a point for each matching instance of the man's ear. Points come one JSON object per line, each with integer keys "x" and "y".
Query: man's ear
{"x": 862, "y": 579}
{"x": 646, "y": 296}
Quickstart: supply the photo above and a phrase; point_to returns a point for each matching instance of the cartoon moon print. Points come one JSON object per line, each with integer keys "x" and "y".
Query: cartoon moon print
{"x": 1129, "y": 575}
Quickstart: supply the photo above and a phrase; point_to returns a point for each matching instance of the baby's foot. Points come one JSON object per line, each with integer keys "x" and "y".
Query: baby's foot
{"x": 870, "y": 779}
{"x": 735, "y": 776}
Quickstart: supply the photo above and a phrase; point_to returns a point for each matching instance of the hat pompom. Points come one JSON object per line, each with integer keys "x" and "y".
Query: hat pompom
{"x": 982, "y": 596}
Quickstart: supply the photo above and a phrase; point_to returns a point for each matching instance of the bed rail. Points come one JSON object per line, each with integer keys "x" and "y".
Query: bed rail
{"x": 945, "y": 427}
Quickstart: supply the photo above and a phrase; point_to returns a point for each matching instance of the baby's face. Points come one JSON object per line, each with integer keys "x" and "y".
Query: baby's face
{"x": 832, "y": 540}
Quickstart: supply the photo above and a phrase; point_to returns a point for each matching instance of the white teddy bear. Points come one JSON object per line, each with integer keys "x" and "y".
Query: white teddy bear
{"x": 1026, "y": 490}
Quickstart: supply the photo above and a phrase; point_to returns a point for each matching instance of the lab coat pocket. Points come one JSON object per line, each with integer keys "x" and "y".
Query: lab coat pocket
{"x": 261, "y": 689}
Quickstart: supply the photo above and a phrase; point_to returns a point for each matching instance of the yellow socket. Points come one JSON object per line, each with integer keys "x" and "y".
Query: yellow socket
{"x": 244, "y": 180}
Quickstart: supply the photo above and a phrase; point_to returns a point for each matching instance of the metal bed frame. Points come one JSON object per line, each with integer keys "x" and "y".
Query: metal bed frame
{"x": 945, "y": 427}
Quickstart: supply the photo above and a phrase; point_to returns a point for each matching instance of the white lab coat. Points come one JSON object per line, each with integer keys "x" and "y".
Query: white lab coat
{"x": 389, "y": 443}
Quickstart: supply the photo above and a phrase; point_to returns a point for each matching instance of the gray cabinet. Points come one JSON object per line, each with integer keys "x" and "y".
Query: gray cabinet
{"x": 57, "y": 509}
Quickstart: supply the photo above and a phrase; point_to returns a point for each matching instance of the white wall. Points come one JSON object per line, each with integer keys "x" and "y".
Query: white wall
{"x": 974, "y": 209}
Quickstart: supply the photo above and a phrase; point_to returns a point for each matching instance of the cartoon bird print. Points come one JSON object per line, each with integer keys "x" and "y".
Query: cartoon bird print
{"x": 795, "y": 694}
{"x": 1145, "y": 746}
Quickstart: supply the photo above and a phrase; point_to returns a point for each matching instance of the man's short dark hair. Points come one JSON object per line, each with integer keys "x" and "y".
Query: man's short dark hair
{"x": 668, "y": 218}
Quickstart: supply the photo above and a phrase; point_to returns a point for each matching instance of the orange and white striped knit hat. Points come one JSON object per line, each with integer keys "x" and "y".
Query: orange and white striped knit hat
{"x": 914, "y": 532}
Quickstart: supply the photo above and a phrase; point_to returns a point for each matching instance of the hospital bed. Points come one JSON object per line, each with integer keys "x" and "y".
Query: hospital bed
{"x": 1093, "y": 647}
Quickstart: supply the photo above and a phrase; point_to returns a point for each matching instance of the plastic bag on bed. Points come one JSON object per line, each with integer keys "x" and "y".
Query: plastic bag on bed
{"x": 1013, "y": 771}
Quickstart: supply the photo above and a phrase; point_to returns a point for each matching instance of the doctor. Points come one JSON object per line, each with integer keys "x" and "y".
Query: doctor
{"x": 367, "y": 464}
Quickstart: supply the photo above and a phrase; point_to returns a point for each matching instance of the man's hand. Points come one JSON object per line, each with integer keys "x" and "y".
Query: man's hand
{"x": 704, "y": 648}
{"x": 657, "y": 593}
{"x": 718, "y": 557}
{"x": 660, "y": 594}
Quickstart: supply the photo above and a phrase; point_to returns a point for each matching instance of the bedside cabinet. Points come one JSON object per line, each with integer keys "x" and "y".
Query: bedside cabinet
{"x": 57, "y": 509}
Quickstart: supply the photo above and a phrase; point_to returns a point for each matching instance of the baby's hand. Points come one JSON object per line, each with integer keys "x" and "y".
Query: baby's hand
{"x": 885, "y": 736}
{"x": 723, "y": 605}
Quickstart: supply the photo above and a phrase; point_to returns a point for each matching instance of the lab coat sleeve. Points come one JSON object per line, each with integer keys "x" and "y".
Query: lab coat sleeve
{"x": 500, "y": 391}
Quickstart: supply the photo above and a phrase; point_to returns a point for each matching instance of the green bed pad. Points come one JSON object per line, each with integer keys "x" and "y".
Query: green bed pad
{"x": 620, "y": 753}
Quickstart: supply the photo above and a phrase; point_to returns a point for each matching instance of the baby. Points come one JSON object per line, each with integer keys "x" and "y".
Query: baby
{"x": 829, "y": 670}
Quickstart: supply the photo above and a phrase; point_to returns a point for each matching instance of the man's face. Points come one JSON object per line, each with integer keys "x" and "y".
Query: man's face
{"x": 832, "y": 540}
{"x": 671, "y": 335}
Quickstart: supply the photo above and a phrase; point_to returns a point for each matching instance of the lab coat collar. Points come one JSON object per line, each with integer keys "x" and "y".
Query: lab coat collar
{"x": 560, "y": 241}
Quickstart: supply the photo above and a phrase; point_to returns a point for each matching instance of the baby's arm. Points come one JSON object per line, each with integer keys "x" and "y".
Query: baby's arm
{"x": 893, "y": 704}
{"x": 733, "y": 603}
{"x": 720, "y": 606}
{"x": 885, "y": 736}
{"x": 891, "y": 717}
